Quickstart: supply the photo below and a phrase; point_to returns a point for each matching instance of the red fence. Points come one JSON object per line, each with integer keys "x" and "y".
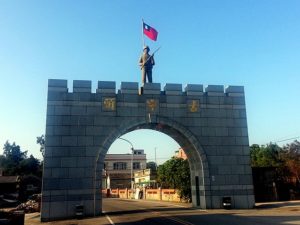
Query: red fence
{"x": 150, "y": 194}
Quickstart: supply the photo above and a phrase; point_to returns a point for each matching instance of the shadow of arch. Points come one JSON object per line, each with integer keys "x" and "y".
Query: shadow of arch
{"x": 200, "y": 183}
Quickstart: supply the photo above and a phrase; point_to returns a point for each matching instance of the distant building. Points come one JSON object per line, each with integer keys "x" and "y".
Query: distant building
{"x": 117, "y": 168}
{"x": 180, "y": 154}
{"x": 145, "y": 178}
{"x": 9, "y": 185}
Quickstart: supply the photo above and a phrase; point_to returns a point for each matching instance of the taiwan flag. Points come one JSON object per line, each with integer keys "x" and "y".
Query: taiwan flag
{"x": 150, "y": 32}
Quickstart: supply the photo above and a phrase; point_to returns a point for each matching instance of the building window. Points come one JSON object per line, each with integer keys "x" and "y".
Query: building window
{"x": 136, "y": 165}
{"x": 120, "y": 166}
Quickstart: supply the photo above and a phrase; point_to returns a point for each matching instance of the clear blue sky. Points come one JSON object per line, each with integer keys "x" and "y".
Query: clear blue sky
{"x": 253, "y": 43}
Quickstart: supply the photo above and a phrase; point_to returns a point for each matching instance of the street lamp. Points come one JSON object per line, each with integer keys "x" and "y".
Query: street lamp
{"x": 131, "y": 167}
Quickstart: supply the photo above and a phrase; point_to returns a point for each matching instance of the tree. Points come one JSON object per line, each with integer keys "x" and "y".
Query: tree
{"x": 41, "y": 141}
{"x": 12, "y": 156}
{"x": 291, "y": 157}
{"x": 265, "y": 156}
{"x": 175, "y": 173}
{"x": 151, "y": 165}
{"x": 14, "y": 161}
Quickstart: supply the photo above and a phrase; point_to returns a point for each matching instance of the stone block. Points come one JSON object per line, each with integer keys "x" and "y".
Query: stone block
{"x": 51, "y": 183}
{"x": 216, "y": 202}
{"x": 60, "y": 151}
{"x": 85, "y": 161}
{"x": 232, "y": 179}
{"x": 56, "y": 94}
{"x": 76, "y": 172}
{"x": 234, "y": 89}
{"x": 222, "y": 131}
{"x": 50, "y": 110}
{"x": 215, "y": 88}
{"x": 61, "y": 130}
{"x": 49, "y": 130}
{"x": 242, "y": 141}
{"x": 62, "y": 110}
{"x": 245, "y": 179}
{"x": 212, "y": 100}
{"x": 175, "y": 99}
{"x": 235, "y": 132}
{"x": 93, "y": 110}
{"x": 173, "y": 89}
{"x": 194, "y": 89}
{"x": 52, "y": 141}
{"x": 77, "y": 152}
{"x": 45, "y": 211}
{"x": 54, "y": 120}
{"x": 129, "y": 88}
{"x": 85, "y": 140}
{"x": 107, "y": 87}
{"x": 208, "y": 131}
{"x": 152, "y": 88}
{"x": 238, "y": 101}
{"x": 77, "y": 130}
{"x": 241, "y": 201}
{"x": 91, "y": 151}
{"x": 78, "y": 110}
{"x": 57, "y": 83}
{"x": 68, "y": 162}
{"x": 69, "y": 141}
{"x": 60, "y": 172}
{"x": 82, "y": 86}
{"x": 52, "y": 162}
{"x": 238, "y": 169}
{"x": 58, "y": 209}
{"x": 80, "y": 120}
{"x": 243, "y": 159}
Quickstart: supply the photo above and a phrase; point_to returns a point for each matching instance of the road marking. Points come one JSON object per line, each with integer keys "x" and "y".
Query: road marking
{"x": 109, "y": 220}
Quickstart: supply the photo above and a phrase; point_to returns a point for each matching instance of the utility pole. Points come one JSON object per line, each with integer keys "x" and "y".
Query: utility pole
{"x": 131, "y": 167}
{"x": 155, "y": 158}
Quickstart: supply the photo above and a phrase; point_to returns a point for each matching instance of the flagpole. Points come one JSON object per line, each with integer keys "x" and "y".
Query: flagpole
{"x": 143, "y": 37}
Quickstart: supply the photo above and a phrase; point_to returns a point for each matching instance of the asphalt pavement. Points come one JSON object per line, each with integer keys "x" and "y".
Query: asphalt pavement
{"x": 125, "y": 212}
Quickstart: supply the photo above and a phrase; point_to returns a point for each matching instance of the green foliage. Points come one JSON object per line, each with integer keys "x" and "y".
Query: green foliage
{"x": 151, "y": 165}
{"x": 285, "y": 159}
{"x": 175, "y": 173}
{"x": 15, "y": 162}
{"x": 41, "y": 141}
{"x": 291, "y": 156}
{"x": 265, "y": 156}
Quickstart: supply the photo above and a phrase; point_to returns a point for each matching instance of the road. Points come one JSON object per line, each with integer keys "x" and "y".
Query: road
{"x": 123, "y": 212}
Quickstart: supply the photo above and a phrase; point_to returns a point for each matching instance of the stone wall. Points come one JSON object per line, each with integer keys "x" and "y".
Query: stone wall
{"x": 209, "y": 123}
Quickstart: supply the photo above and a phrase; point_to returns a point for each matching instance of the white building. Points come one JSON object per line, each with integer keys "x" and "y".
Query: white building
{"x": 120, "y": 168}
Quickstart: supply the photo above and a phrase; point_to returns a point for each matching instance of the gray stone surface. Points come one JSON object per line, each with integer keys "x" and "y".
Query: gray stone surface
{"x": 129, "y": 88}
{"x": 211, "y": 125}
{"x": 194, "y": 89}
{"x": 173, "y": 89}
{"x": 151, "y": 88}
{"x": 108, "y": 87}
{"x": 82, "y": 86}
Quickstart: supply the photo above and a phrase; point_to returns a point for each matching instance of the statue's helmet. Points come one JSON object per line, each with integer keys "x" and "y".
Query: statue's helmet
{"x": 146, "y": 47}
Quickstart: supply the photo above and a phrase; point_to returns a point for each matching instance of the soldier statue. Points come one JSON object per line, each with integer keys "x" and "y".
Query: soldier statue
{"x": 146, "y": 63}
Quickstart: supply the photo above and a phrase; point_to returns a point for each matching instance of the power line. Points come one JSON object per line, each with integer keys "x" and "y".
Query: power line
{"x": 288, "y": 139}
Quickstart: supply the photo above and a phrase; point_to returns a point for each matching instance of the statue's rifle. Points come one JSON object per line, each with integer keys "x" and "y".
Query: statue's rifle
{"x": 150, "y": 57}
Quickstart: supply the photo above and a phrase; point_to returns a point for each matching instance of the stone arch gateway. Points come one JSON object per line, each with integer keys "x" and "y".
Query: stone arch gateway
{"x": 209, "y": 124}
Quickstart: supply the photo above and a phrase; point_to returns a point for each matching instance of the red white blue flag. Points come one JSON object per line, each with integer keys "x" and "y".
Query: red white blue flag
{"x": 150, "y": 32}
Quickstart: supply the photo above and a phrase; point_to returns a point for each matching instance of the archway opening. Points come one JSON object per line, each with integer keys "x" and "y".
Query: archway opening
{"x": 174, "y": 137}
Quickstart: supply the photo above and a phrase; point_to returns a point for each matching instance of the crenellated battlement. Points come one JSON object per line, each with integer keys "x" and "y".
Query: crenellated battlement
{"x": 209, "y": 122}
{"x": 109, "y": 87}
